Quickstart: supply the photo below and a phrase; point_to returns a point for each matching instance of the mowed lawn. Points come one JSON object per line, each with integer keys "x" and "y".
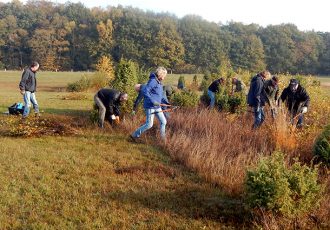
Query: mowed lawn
{"x": 96, "y": 179}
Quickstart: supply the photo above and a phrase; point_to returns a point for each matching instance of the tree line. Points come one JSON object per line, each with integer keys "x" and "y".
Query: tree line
{"x": 71, "y": 36}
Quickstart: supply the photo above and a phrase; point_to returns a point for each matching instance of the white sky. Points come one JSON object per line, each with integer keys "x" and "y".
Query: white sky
{"x": 305, "y": 14}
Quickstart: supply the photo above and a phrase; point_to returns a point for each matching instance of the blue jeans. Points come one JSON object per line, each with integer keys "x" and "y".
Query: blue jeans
{"x": 150, "y": 113}
{"x": 259, "y": 116}
{"x": 299, "y": 122}
{"x": 212, "y": 97}
{"x": 29, "y": 98}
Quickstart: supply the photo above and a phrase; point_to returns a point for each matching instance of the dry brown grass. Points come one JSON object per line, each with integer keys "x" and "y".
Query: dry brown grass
{"x": 219, "y": 146}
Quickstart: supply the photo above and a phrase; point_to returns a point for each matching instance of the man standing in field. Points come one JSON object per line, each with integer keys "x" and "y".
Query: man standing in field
{"x": 153, "y": 95}
{"x": 28, "y": 86}
{"x": 296, "y": 100}
{"x": 272, "y": 90}
{"x": 213, "y": 89}
{"x": 257, "y": 97}
{"x": 108, "y": 102}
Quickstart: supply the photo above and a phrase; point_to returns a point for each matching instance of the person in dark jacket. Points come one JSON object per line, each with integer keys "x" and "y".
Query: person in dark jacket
{"x": 213, "y": 89}
{"x": 108, "y": 102}
{"x": 28, "y": 87}
{"x": 296, "y": 100}
{"x": 153, "y": 95}
{"x": 272, "y": 91}
{"x": 257, "y": 97}
{"x": 238, "y": 86}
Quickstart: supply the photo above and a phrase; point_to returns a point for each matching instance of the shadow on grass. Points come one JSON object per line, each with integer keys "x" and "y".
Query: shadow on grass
{"x": 67, "y": 111}
{"x": 188, "y": 202}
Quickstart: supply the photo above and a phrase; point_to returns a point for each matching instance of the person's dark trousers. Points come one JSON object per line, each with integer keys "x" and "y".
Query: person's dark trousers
{"x": 259, "y": 116}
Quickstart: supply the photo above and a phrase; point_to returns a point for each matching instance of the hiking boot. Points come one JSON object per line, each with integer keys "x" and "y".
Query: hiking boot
{"x": 100, "y": 125}
{"x": 134, "y": 139}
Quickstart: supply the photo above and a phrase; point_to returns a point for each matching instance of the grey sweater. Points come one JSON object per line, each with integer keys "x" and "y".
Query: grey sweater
{"x": 28, "y": 81}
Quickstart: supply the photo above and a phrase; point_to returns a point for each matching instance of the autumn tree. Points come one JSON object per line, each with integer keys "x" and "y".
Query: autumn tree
{"x": 105, "y": 66}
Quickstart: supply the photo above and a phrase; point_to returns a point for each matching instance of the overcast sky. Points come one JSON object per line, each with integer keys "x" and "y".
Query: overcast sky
{"x": 305, "y": 14}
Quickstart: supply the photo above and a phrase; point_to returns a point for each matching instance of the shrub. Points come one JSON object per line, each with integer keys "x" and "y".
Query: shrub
{"x": 181, "y": 82}
{"x": 322, "y": 145}
{"x": 99, "y": 80}
{"x": 96, "y": 81}
{"x": 276, "y": 187}
{"x": 126, "y": 78}
{"x": 185, "y": 98}
{"x": 194, "y": 84}
{"x": 94, "y": 114}
{"x": 82, "y": 84}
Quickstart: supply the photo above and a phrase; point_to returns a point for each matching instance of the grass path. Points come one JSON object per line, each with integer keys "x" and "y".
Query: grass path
{"x": 99, "y": 180}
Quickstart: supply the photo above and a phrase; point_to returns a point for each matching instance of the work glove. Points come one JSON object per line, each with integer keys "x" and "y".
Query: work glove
{"x": 304, "y": 109}
{"x": 22, "y": 92}
{"x": 113, "y": 117}
{"x": 156, "y": 103}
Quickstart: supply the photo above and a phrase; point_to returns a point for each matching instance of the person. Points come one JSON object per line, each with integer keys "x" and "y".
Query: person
{"x": 168, "y": 91}
{"x": 109, "y": 102}
{"x": 237, "y": 86}
{"x": 257, "y": 97}
{"x": 28, "y": 87}
{"x": 153, "y": 95}
{"x": 213, "y": 89}
{"x": 272, "y": 91}
{"x": 296, "y": 100}
{"x": 139, "y": 88}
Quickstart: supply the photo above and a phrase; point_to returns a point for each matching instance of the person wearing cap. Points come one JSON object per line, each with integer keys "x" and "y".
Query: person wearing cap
{"x": 237, "y": 86}
{"x": 296, "y": 100}
{"x": 108, "y": 102}
{"x": 28, "y": 87}
{"x": 272, "y": 91}
{"x": 257, "y": 97}
{"x": 153, "y": 95}
{"x": 213, "y": 89}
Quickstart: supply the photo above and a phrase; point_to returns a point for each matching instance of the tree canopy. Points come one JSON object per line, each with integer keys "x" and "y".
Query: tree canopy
{"x": 71, "y": 36}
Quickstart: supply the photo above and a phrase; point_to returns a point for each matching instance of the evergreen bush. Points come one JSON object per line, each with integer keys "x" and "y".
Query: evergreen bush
{"x": 185, "y": 98}
{"x": 126, "y": 78}
{"x": 322, "y": 145}
{"x": 181, "y": 82}
{"x": 290, "y": 191}
{"x": 82, "y": 84}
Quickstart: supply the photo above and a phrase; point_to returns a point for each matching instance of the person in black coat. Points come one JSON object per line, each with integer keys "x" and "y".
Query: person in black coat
{"x": 296, "y": 100}
{"x": 257, "y": 97}
{"x": 213, "y": 89}
{"x": 108, "y": 102}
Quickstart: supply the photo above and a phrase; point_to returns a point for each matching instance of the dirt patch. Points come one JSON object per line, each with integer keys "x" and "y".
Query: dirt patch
{"x": 14, "y": 126}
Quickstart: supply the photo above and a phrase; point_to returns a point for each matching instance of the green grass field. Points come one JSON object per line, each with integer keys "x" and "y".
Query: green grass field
{"x": 96, "y": 179}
